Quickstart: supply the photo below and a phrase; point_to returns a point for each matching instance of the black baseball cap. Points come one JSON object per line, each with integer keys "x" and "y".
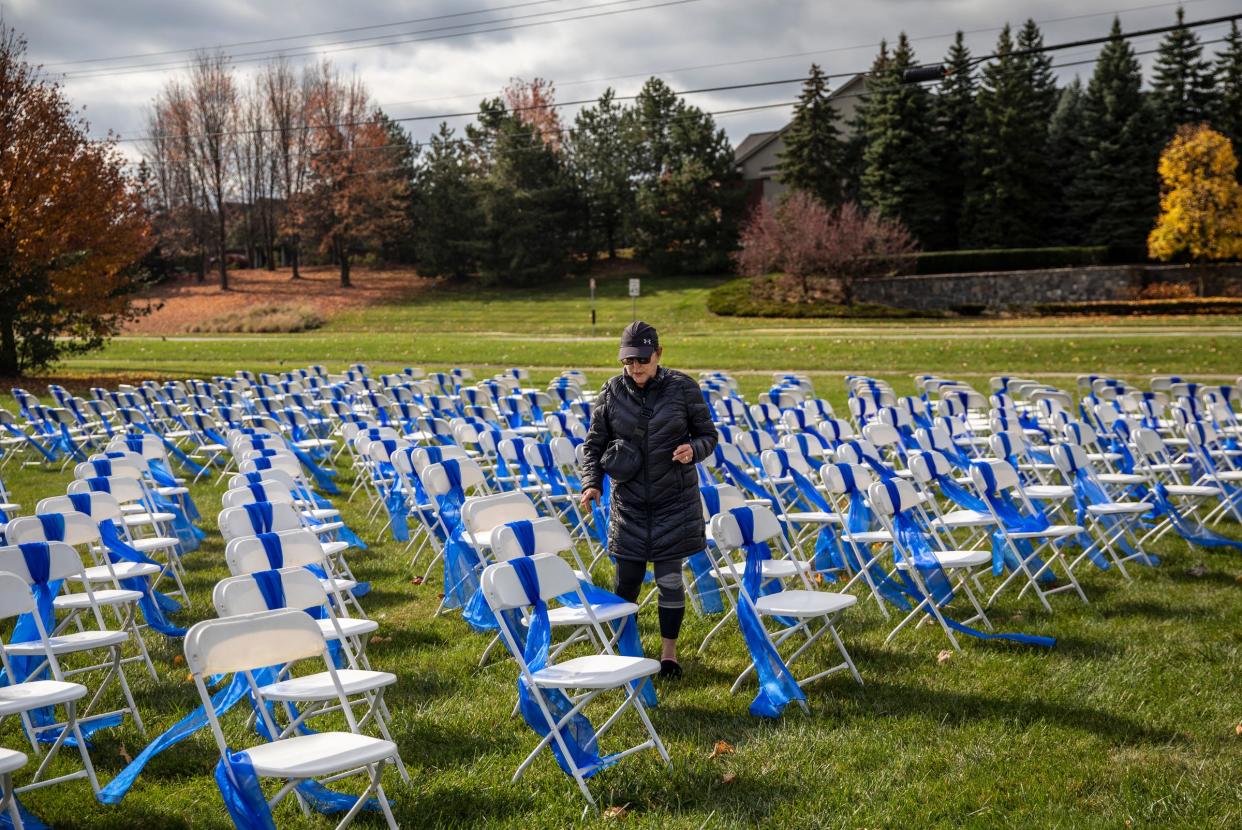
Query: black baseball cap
{"x": 638, "y": 340}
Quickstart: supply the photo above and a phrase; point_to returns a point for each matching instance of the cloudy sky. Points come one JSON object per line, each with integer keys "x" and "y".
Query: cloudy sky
{"x": 433, "y": 57}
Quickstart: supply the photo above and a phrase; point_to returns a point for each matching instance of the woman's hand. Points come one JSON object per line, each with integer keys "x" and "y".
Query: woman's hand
{"x": 589, "y": 495}
{"x": 684, "y": 454}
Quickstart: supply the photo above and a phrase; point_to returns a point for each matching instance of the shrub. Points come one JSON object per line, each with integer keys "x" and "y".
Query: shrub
{"x": 1166, "y": 291}
{"x": 739, "y": 298}
{"x": 1023, "y": 259}
{"x": 815, "y": 244}
{"x": 263, "y": 319}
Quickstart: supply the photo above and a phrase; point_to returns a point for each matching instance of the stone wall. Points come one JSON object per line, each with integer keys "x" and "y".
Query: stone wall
{"x": 1005, "y": 289}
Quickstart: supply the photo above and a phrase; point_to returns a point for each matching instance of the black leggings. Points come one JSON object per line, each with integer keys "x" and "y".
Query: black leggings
{"x": 672, "y": 602}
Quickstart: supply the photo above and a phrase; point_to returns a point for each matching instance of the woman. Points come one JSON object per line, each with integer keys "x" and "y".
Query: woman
{"x": 657, "y": 515}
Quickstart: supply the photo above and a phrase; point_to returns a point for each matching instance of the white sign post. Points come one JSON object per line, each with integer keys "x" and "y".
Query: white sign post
{"x": 634, "y": 291}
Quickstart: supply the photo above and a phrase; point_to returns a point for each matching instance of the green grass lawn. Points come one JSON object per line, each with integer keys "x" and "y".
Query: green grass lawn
{"x": 1129, "y": 722}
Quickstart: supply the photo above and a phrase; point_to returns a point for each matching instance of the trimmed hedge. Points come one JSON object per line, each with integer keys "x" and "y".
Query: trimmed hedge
{"x": 734, "y": 299}
{"x": 1024, "y": 259}
{"x": 1194, "y": 305}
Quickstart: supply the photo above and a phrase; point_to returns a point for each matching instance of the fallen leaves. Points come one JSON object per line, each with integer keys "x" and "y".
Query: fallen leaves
{"x": 1196, "y": 571}
{"x": 125, "y": 756}
{"x": 418, "y": 580}
{"x": 375, "y": 638}
{"x": 178, "y": 660}
{"x": 1238, "y": 579}
{"x": 722, "y": 748}
{"x": 943, "y": 656}
{"x": 616, "y": 812}
{"x": 1237, "y": 730}
{"x": 728, "y": 778}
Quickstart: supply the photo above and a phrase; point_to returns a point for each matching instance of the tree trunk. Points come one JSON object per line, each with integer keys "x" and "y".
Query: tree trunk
{"x": 220, "y": 243}
{"x": 343, "y": 256}
{"x": 202, "y": 266}
{"x": 8, "y": 349}
{"x": 612, "y": 243}
{"x": 295, "y": 255}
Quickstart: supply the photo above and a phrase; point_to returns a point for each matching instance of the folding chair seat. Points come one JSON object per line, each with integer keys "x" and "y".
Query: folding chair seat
{"x": 529, "y": 583}
{"x": 928, "y": 468}
{"x": 251, "y": 643}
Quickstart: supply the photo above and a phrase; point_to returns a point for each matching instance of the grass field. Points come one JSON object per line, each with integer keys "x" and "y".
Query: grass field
{"x": 1129, "y": 722}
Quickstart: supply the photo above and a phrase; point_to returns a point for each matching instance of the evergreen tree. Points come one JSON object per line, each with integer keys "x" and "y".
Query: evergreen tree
{"x": 1228, "y": 118}
{"x": 530, "y": 205}
{"x": 1038, "y": 69}
{"x": 814, "y": 153}
{"x": 1113, "y": 199}
{"x": 689, "y": 195}
{"x": 954, "y": 114}
{"x": 1183, "y": 85}
{"x": 898, "y": 158}
{"x": 1065, "y": 153}
{"x": 446, "y": 212}
{"x": 601, "y": 162}
{"x": 1007, "y": 191}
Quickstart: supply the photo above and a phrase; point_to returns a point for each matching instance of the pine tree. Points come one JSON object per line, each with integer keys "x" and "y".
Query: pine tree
{"x": 1038, "y": 69}
{"x": 446, "y": 212}
{"x": 529, "y": 202}
{"x": 1065, "y": 153}
{"x": 1113, "y": 199}
{"x": 898, "y": 158}
{"x": 601, "y": 161}
{"x": 1007, "y": 191}
{"x": 1183, "y": 85}
{"x": 1228, "y": 118}
{"x": 954, "y": 114}
{"x": 814, "y": 153}
{"x": 689, "y": 195}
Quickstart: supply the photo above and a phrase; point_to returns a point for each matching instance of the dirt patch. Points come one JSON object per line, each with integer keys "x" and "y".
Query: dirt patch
{"x": 188, "y": 304}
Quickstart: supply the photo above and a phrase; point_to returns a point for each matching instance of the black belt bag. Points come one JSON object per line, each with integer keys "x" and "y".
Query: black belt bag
{"x": 623, "y": 458}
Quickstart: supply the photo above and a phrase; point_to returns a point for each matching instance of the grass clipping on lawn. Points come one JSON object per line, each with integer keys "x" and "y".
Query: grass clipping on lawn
{"x": 262, "y": 319}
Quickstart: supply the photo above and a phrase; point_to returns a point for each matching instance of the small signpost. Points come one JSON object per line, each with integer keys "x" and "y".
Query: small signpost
{"x": 592, "y": 306}
{"x": 634, "y": 291}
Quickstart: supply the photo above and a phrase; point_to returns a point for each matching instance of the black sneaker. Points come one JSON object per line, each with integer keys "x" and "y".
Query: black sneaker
{"x": 670, "y": 670}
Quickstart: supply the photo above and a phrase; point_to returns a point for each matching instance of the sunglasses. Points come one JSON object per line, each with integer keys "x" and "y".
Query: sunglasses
{"x": 630, "y": 361}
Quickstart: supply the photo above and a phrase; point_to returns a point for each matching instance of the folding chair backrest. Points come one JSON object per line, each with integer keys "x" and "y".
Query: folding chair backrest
{"x": 502, "y": 588}
{"x": 551, "y": 536}
{"x": 272, "y": 492}
{"x": 834, "y": 477}
{"x": 754, "y": 442}
{"x": 881, "y": 434}
{"x": 126, "y": 489}
{"x": 234, "y": 522}
{"x": 1148, "y": 442}
{"x": 277, "y": 477}
{"x": 1003, "y": 473}
{"x": 63, "y": 561}
{"x": 102, "y": 506}
{"x": 15, "y": 596}
{"x": 853, "y": 452}
{"x": 436, "y": 481}
{"x": 251, "y": 641}
{"x": 246, "y": 554}
{"x": 893, "y": 496}
{"x": 928, "y": 465}
{"x": 287, "y": 463}
{"x": 80, "y": 529}
{"x": 778, "y": 463}
{"x": 728, "y": 534}
{"x": 1070, "y": 458}
{"x": 482, "y": 513}
{"x": 728, "y": 496}
{"x": 240, "y": 594}
{"x": 1079, "y": 433}
{"x": 106, "y": 467}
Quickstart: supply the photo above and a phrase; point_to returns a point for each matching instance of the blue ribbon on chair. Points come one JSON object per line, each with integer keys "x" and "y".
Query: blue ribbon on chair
{"x": 191, "y": 466}
{"x": 777, "y": 686}
{"x": 1189, "y": 529}
{"x": 577, "y": 733}
{"x": 1014, "y": 520}
{"x": 1087, "y": 492}
{"x": 741, "y": 479}
{"x": 827, "y": 554}
{"x": 48, "y": 454}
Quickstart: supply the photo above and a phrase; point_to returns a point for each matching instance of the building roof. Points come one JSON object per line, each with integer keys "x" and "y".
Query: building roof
{"x": 755, "y": 142}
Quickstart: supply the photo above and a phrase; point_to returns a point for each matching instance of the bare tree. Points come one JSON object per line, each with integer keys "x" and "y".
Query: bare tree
{"x": 213, "y": 121}
{"x": 286, "y": 96}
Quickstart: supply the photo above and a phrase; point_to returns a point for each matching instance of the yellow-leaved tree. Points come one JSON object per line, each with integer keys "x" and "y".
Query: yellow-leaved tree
{"x": 1200, "y": 198}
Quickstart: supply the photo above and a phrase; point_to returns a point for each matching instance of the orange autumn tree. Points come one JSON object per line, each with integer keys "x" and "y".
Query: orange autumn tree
{"x": 357, "y": 190}
{"x": 534, "y": 104}
{"x": 72, "y": 227}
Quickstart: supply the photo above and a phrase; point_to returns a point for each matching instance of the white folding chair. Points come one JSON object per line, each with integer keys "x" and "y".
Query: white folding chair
{"x": 592, "y": 675}
{"x": 252, "y": 642}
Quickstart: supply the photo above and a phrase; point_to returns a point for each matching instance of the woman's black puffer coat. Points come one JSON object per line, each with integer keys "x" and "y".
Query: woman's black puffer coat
{"x": 657, "y": 514}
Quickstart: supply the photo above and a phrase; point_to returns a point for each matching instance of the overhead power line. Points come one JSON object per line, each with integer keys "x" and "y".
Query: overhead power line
{"x": 395, "y": 40}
